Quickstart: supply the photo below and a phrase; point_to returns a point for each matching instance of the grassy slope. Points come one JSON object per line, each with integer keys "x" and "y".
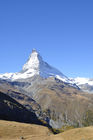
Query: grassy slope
{"x": 85, "y": 133}
{"x": 14, "y": 131}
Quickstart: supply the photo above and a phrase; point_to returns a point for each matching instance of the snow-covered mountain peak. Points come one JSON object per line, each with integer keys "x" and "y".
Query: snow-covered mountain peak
{"x": 33, "y": 61}
{"x": 35, "y": 66}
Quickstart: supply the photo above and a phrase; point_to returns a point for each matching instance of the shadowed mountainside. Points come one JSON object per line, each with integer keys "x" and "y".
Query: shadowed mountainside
{"x": 12, "y": 110}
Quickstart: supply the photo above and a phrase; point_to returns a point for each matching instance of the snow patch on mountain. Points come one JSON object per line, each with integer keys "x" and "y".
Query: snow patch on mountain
{"x": 82, "y": 81}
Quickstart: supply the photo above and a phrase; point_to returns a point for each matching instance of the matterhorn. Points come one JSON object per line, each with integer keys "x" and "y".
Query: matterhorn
{"x": 35, "y": 66}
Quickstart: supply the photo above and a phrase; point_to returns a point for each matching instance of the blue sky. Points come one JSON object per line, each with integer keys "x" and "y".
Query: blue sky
{"x": 61, "y": 30}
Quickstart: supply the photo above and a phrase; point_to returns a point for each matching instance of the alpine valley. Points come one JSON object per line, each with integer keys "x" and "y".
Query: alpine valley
{"x": 57, "y": 100}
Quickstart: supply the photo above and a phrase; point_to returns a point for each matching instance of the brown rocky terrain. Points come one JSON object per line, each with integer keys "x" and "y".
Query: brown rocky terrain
{"x": 62, "y": 103}
{"x": 58, "y": 103}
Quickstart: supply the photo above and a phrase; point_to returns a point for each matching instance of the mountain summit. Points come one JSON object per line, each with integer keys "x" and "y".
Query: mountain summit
{"x": 33, "y": 61}
{"x": 35, "y": 66}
